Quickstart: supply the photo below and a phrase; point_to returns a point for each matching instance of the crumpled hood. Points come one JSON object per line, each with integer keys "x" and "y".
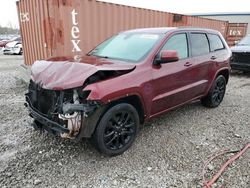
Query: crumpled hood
{"x": 65, "y": 73}
{"x": 239, "y": 48}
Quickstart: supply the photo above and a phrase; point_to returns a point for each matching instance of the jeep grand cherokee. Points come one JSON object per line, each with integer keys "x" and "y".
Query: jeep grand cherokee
{"x": 125, "y": 81}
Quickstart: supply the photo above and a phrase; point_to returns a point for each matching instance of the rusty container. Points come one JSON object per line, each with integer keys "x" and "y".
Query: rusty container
{"x": 73, "y": 27}
{"x": 235, "y": 32}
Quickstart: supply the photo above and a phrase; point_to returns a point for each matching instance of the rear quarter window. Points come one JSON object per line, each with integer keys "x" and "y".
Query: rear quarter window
{"x": 199, "y": 44}
{"x": 215, "y": 42}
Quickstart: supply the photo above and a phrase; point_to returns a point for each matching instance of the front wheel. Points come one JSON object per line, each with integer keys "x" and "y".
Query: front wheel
{"x": 116, "y": 130}
{"x": 21, "y": 51}
{"x": 216, "y": 93}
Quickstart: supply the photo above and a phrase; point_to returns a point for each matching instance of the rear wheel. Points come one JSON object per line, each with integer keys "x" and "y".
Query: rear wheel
{"x": 117, "y": 129}
{"x": 216, "y": 93}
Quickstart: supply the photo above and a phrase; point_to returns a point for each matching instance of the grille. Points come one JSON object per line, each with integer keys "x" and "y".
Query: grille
{"x": 48, "y": 101}
{"x": 241, "y": 57}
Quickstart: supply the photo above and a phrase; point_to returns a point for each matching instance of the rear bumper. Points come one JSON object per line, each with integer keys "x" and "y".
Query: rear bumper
{"x": 240, "y": 66}
{"x": 44, "y": 122}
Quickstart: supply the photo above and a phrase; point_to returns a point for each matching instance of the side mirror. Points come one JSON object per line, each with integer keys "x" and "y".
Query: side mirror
{"x": 166, "y": 56}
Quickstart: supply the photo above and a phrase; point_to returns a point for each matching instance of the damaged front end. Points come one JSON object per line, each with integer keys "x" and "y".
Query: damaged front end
{"x": 58, "y": 108}
{"x": 61, "y": 112}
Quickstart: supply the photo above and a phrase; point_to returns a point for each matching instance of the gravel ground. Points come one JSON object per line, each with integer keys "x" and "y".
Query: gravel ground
{"x": 169, "y": 151}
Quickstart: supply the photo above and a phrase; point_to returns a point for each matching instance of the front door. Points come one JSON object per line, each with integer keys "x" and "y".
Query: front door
{"x": 172, "y": 81}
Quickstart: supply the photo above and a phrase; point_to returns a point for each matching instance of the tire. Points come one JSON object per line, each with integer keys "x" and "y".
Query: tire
{"x": 216, "y": 93}
{"x": 116, "y": 130}
{"x": 21, "y": 51}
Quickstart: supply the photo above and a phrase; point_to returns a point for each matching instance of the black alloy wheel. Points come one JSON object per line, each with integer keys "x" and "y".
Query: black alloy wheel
{"x": 117, "y": 129}
{"x": 219, "y": 91}
{"x": 216, "y": 93}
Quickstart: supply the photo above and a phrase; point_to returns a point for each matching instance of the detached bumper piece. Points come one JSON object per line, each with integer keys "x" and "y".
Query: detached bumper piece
{"x": 42, "y": 122}
{"x": 240, "y": 66}
{"x": 241, "y": 61}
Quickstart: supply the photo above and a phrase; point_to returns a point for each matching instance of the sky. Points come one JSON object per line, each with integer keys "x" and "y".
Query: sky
{"x": 189, "y": 6}
{"x": 8, "y": 12}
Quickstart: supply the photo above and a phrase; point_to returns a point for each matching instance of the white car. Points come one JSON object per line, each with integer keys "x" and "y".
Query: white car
{"x": 14, "y": 47}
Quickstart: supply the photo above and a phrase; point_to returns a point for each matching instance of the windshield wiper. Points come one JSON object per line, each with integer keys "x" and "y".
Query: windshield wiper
{"x": 100, "y": 56}
{"x": 105, "y": 57}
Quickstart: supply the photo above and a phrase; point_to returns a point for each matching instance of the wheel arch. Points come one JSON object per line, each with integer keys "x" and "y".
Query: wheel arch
{"x": 90, "y": 123}
{"x": 223, "y": 72}
{"x": 133, "y": 100}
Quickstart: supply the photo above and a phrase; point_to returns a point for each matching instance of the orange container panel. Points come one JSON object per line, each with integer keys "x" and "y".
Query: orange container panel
{"x": 218, "y": 25}
{"x": 86, "y": 23}
{"x": 235, "y": 32}
{"x": 32, "y": 14}
{"x": 74, "y": 27}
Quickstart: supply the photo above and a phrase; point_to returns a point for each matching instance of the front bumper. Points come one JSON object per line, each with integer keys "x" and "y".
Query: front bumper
{"x": 11, "y": 50}
{"x": 89, "y": 123}
{"x": 44, "y": 122}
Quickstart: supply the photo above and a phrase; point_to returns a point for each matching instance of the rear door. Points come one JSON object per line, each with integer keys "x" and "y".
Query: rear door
{"x": 201, "y": 65}
{"x": 218, "y": 52}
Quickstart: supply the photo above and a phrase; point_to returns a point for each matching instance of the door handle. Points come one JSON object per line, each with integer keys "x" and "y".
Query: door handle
{"x": 213, "y": 58}
{"x": 187, "y": 64}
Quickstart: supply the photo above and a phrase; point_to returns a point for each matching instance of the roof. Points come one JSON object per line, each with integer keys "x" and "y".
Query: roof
{"x": 223, "y": 14}
{"x": 155, "y": 30}
{"x": 164, "y": 30}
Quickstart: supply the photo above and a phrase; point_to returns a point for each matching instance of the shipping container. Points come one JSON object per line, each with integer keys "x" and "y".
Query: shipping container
{"x": 235, "y": 32}
{"x": 238, "y": 27}
{"x": 74, "y": 27}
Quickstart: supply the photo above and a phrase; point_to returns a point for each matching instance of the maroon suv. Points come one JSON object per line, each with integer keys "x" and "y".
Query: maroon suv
{"x": 125, "y": 81}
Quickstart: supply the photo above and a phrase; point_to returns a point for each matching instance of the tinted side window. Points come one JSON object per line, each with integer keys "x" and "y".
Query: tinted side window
{"x": 199, "y": 44}
{"x": 215, "y": 42}
{"x": 179, "y": 43}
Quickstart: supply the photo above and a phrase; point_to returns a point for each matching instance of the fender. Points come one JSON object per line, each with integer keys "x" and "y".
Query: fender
{"x": 215, "y": 76}
{"x": 97, "y": 93}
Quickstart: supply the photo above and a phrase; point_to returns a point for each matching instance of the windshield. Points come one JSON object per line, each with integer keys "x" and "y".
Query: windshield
{"x": 127, "y": 46}
{"x": 245, "y": 41}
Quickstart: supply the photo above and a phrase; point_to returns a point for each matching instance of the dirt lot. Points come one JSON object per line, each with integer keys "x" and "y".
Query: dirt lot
{"x": 169, "y": 151}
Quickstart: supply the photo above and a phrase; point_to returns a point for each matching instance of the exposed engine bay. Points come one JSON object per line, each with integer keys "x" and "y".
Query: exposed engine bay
{"x": 72, "y": 116}
{"x": 65, "y": 108}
